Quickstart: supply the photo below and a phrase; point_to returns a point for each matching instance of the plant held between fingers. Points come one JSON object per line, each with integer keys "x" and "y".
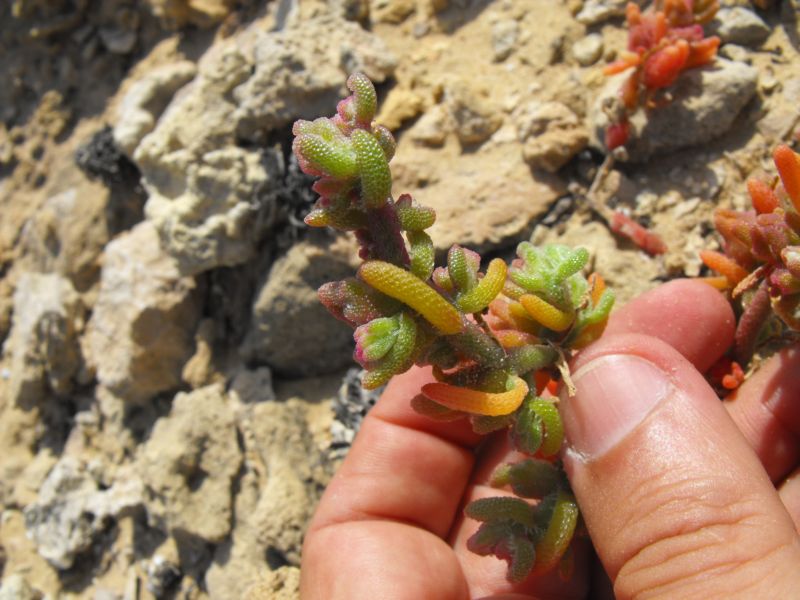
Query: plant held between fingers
{"x": 496, "y": 335}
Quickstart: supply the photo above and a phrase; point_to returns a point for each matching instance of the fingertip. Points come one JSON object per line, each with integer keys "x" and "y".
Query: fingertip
{"x": 687, "y": 314}
{"x": 656, "y": 463}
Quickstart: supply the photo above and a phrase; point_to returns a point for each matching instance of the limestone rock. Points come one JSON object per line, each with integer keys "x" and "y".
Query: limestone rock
{"x": 188, "y": 466}
{"x": 588, "y": 50}
{"x": 432, "y": 127}
{"x": 551, "y": 135}
{"x": 140, "y": 333}
{"x": 67, "y": 234}
{"x": 253, "y": 386}
{"x": 43, "y": 343}
{"x": 485, "y": 199}
{"x": 299, "y": 73}
{"x": 391, "y": 11}
{"x": 705, "y": 104}
{"x": 505, "y": 33}
{"x": 285, "y": 473}
{"x": 280, "y": 584}
{"x": 73, "y": 507}
{"x": 475, "y": 118}
{"x": 179, "y": 13}
{"x": 15, "y": 587}
{"x": 146, "y": 100}
{"x": 290, "y": 330}
{"x": 738, "y": 25}
{"x": 597, "y": 11}
{"x": 401, "y": 105}
{"x": 210, "y": 194}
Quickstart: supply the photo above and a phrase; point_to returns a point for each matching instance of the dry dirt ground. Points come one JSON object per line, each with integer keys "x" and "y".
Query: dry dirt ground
{"x": 171, "y": 396}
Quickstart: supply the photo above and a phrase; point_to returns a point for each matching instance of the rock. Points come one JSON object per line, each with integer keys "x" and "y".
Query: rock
{"x": 350, "y": 406}
{"x": 15, "y": 587}
{"x": 140, "y": 333}
{"x": 391, "y": 11}
{"x": 551, "y": 135}
{"x": 474, "y": 116}
{"x": 705, "y": 104}
{"x": 505, "y": 33}
{"x": 68, "y": 232}
{"x": 188, "y": 466}
{"x": 120, "y": 27}
{"x": 179, "y": 13}
{"x": 401, "y": 105}
{"x": 319, "y": 54}
{"x": 738, "y": 25}
{"x": 163, "y": 569}
{"x": 736, "y": 53}
{"x": 432, "y": 127}
{"x": 146, "y": 100}
{"x": 484, "y": 199}
{"x": 285, "y": 472}
{"x": 74, "y": 505}
{"x": 212, "y": 186}
{"x": 43, "y": 343}
{"x": 199, "y": 370}
{"x": 597, "y": 11}
{"x": 280, "y": 584}
{"x": 588, "y": 50}
{"x": 253, "y": 386}
{"x": 290, "y": 330}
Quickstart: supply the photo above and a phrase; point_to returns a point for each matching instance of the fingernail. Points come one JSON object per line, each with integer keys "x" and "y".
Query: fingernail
{"x": 614, "y": 394}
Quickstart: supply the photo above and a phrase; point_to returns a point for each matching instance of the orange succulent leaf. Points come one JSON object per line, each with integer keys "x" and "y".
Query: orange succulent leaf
{"x": 664, "y": 66}
{"x": 628, "y": 60}
{"x": 718, "y": 283}
{"x": 512, "y": 338}
{"x": 724, "y": 265}
{"x": 492, "y": 404}
{"x": 702, "y": 52}
{"x": 788, "y": 164}
{"x": 763, "y": 197}
{"x": 597, "y": 285}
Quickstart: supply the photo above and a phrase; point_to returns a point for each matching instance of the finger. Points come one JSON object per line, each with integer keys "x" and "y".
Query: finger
{"x": 675, "y": 501}
{"x": 790, "y": 496}
{"x": 382, "y": 518}
{"x": 767, "y": 411}
{"x": 689, "y": 315}
{"x": 402, "y": 466}
{"x": 700, "y": 326}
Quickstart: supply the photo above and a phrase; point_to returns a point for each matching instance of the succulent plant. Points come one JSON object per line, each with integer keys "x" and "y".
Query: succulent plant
{"x": 495, "y": 336}
{"x": 760, "y": 262}
{"x": 663, "y": 41}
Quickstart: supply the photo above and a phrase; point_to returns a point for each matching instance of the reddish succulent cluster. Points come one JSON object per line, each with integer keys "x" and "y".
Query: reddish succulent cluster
{"x": 663, "y": 42}
{"x": 761, "y": 259}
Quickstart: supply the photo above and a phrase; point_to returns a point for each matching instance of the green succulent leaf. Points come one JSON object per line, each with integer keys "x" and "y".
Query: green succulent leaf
{"x": 376, "y": 179}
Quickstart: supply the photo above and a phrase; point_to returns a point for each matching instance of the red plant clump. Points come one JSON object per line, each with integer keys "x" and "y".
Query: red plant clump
{"x": 761, "y": 259}
{"x": 663, "y": 41}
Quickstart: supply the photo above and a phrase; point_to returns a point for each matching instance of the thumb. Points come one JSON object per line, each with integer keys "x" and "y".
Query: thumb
{"x": 675, "y": 501}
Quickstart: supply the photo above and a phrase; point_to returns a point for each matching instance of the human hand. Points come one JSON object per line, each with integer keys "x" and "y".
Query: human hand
{"x": 677, "y": 489}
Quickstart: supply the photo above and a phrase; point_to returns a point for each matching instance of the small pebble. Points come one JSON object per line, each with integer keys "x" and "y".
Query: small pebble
{"x": 588, "y": 50}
